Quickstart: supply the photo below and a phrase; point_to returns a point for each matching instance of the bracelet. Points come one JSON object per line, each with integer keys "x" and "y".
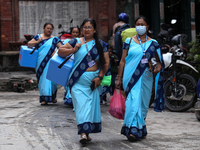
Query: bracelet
{"x": 119, "y": 75}
{"x": 100, "y": 77}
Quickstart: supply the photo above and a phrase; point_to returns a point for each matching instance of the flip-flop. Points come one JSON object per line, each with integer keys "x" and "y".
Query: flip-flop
{"x": 54, "y": 101}
{"x": 89, "y": 139}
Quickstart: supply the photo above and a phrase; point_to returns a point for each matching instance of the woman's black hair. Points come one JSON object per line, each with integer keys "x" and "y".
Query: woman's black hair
{"x": 142, "y": 17}
{"x": 48, "y": 23}
{"x": 98, "y": 44}
{"x": 71, "y": 29}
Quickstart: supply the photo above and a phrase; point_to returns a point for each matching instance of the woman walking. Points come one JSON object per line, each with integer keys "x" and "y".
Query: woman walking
{"x": 91, "y": 63}
{"x": 75, "y": 32}
{"x": 46, "y": 44}
{"x": 134, "y": 67}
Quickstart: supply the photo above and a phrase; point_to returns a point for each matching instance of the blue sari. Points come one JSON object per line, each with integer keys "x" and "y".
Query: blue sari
{"x": 67, "y": 95}
{"x": 85, "y": 101}
{"x": 137, "y": 83}
{"x": 47, "y": 88}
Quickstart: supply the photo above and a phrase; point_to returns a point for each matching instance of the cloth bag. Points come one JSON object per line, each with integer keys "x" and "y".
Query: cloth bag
{"x": 106, "y": 81}
{"x": 117, "y": 105}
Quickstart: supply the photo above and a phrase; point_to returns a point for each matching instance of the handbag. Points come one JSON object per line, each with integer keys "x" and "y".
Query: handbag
{"x": 106, "y": 81}
{"x": 117, "y": 105}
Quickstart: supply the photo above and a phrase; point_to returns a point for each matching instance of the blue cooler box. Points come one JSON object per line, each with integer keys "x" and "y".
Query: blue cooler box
{"x": 59, "y": 75}
{"x": 26, "y": 59}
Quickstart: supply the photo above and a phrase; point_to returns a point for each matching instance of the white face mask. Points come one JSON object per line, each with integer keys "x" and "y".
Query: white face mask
{"x": 141, "y": 30}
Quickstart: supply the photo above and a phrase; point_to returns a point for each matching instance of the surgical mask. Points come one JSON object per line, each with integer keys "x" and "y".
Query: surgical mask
{"x": 141, "y": 30}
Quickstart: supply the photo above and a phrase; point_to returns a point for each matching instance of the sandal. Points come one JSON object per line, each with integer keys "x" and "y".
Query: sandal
{"x": 43, "y": 103}
{"x": 88, "y": 138}
{"x": 132, "y": 138}
{"x": 54, "y": 101}
{"x": 83, "y": 139}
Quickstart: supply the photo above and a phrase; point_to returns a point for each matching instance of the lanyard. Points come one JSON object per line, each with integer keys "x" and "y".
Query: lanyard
{"x": 86, "y": 45}
{"x": 143, "y": 48}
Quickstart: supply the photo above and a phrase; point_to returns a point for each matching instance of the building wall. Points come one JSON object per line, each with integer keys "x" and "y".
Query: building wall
{"x": 103, "y": 11}
{"x": 6, "y": 23}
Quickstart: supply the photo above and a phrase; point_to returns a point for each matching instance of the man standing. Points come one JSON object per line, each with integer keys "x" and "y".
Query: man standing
{"x": 121, "y": 25}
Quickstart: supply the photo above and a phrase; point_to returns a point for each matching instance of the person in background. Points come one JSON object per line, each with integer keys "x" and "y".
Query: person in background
{"x": 75, "y": 32}
{"x": 46, "y": 44}
{"x": 91, "y": 63}
{"x": 81, "y": 32}
{"x": 135, "y": 71}
{"x": 113, "y": 68}
{"x": 121, "y": 25}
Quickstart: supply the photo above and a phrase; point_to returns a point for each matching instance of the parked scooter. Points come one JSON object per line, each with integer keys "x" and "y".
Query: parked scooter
{"x": 197, "y": 105}
{"x": 180, "y": 88}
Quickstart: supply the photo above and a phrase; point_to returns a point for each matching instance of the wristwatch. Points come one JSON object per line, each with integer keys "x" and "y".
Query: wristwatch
{"x": 100, "y": 77}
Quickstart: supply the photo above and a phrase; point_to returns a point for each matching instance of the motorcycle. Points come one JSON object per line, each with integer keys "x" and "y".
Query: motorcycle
{"x": 28, "y": 37}
{"x": 64, "y": 34}
{"x": 180, "y": 88}
{"x": 165, "y": 36}
{"x": 197, "y": 105}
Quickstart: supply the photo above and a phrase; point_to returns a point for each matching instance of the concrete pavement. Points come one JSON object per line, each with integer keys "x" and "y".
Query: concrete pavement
{"x": 25, "y": 125}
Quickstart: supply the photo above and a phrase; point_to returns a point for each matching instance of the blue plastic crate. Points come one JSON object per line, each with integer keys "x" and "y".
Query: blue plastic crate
{"x": 26, "y": 59}
{"x": 59, "y": 75}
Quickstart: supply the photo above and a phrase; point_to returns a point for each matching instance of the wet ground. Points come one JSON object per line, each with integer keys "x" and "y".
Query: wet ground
{"x": 26, "y": 125}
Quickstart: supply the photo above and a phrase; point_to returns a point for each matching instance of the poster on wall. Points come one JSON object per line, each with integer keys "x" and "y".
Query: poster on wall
{"x": 34, "y": 14}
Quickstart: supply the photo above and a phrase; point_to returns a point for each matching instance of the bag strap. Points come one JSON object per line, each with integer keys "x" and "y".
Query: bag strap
{"x": 60, "y": 66}
{"x": 36, "y": 47}
{"x": 129, "y": 43}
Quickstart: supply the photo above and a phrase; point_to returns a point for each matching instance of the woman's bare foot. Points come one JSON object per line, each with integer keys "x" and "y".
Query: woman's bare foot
{"x": 43, "y": 103}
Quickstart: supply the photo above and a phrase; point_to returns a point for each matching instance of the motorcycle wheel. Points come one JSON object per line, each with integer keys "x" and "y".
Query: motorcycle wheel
{"x": 186, "y": 93}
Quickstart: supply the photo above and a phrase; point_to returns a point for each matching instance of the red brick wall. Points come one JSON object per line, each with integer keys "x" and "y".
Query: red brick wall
{"x": 103, "y": 11}
{"x": 6, "y": 23}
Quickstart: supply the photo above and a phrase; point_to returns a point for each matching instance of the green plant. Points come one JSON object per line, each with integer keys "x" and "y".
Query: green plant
{"x": 194, "y": 54}
{"x": 195, "y": 49}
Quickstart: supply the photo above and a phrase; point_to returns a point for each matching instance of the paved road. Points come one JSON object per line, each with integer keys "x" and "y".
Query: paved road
{"x": 25, "y": 125}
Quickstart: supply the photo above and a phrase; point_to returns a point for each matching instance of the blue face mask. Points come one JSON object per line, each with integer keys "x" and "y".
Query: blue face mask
{"x": 141, "y": 30}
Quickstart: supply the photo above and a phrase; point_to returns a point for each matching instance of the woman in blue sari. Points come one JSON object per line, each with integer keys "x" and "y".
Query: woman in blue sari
{"x": 91, "y": 63}
{"x": 46, "y": 44}
{"x": 74, "y": 31}
{"x": 135, "y": 69}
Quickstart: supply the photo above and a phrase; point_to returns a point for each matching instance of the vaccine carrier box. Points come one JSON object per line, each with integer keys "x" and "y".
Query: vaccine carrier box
{"x": 59, "y": 75}
{"x": 26, "y": 59}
